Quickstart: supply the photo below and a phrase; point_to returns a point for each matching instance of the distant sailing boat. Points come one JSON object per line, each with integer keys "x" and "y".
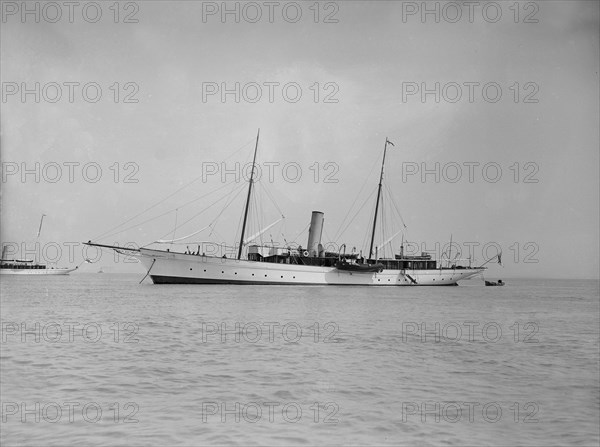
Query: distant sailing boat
{"x": 289, "y": 266}
{"x": 29, "y": 267}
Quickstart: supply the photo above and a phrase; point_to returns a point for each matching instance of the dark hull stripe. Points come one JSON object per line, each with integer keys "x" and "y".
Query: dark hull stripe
{"x": 156, "y": 279}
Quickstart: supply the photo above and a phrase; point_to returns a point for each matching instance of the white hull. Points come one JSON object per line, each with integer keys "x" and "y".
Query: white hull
{"x": 50, "y": 271}
{"x": 178, "y": 268}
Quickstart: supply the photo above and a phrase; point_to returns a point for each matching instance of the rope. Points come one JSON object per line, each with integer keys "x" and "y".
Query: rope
{"x": 148, "y": 272}
{"x": 391, "y": 197}
{"x": 194, "y": 216}
{"x": 338, "y": 234}
{"x": 106, "y": 233}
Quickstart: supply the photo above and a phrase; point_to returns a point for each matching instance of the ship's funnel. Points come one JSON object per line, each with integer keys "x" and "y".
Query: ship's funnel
{"x": 314, "y": 233}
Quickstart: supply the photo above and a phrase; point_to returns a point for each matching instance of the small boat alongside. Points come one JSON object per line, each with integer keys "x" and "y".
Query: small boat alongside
{"x": 357, "y": 267}
{"x": 495, "y": 283}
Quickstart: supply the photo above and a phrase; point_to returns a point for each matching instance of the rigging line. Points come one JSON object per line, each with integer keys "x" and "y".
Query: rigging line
{"x": 327, "y": 236}
{"x": 392, "y": 222}
{"x": 239, "y": 226}
{"x": 175, "y": 228}
{"x": 367, "y": 234}
{"x": 390, "y": 225}
{"x": 389, "y": 229}
{"x": 205, "y": 209}
{"x": 261, "y": 191}
{"x": 242, "y": 147}
{"x": 162, "y": 241}
{"x": 383, "y": 223}
{"x": 262, "y": 205}
{"x": 391, "y": 197}
{"x": 397, "y": 209}
{"x": 301, "y": 233}
{"x": 111, "y": 232}
{"x": 255, "y": 209}
{"x": 258, "y": 209}
{"x": 338, "y": 234}
{"x": 216, "y": 233}
{"x": 229, "y": 202}
{"x": 262, "y": 231}
{"x": 154, "y": 218}
{"x": 211, "y": 225}
{"x": 389, "y": 241}
{"x": 191, "y": 218}
{"x": 173, "y": 209}
{"x": 264, "y": 188}
{"x": 263, "y": 212}
{"x": 283, "y": 230}
{"x": 165, "y": 198}
{"x": 252, "y": 220}
{"x": 141, "y": 223}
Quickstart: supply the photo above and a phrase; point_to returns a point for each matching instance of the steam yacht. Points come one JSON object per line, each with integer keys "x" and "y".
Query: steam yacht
{"x": 312, "y": 265}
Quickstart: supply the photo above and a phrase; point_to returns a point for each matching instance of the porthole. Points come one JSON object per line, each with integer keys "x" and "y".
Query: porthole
{"x": 190, "y": 269}
{"x": 222, "y": 271}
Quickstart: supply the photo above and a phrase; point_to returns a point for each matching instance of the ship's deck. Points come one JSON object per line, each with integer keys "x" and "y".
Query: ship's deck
{"x": 404, "y": 263}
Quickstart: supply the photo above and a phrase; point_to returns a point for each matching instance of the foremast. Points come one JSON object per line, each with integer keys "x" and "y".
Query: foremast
{"x": 248, "y": 198}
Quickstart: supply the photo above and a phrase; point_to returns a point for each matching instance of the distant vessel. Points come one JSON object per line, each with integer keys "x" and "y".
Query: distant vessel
{"x": 29, "y": 267}
{"x": 297, "y": 266}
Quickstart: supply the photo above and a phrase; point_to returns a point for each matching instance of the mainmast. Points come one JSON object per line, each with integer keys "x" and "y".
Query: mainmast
{"x": 378, "y": 197}
{"x": 248, "y": 198}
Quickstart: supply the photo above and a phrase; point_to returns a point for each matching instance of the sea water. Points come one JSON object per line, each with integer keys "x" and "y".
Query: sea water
{"x": 98, "y": 359}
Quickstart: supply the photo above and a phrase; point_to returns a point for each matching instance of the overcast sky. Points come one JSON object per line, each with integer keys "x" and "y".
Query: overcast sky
{"x": 517, "y": 93}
